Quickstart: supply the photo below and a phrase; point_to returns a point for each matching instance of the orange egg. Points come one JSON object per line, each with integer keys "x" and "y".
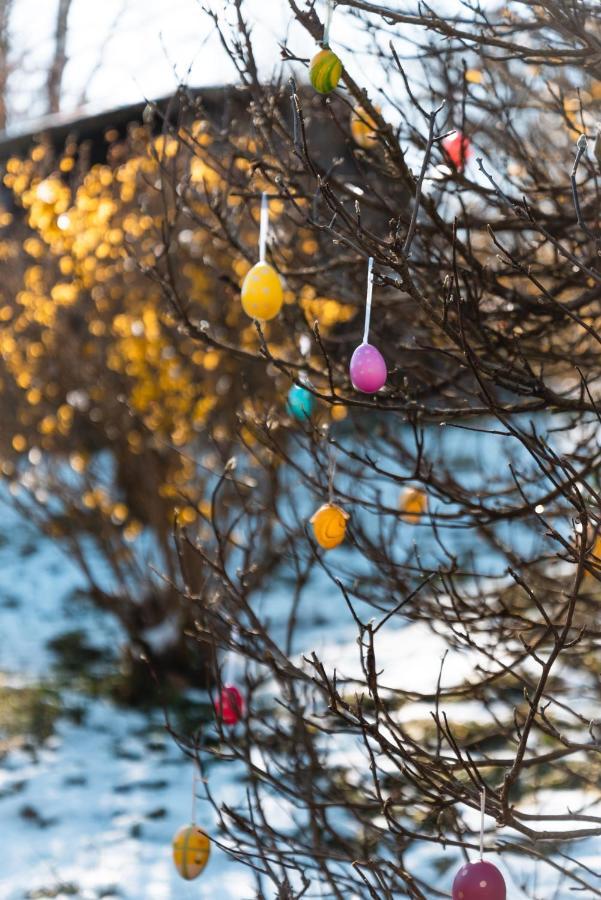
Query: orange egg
{"x": 329, "y": 525}
{"x": 363, "y": 128}
{"x": 262, "y": 294}
{"x": 191, "y": 851}
{"x": 413, "y": 504}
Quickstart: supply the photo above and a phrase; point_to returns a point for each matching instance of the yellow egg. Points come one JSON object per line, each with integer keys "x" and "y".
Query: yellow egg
{"x": 329, "y": 525}
{"x": 325, "y": 70}
{"x": 191, "y": 851}
{"x": 413, "y": 504}
{"x": 262, "y": 294}
{"x": 363, "y": 128}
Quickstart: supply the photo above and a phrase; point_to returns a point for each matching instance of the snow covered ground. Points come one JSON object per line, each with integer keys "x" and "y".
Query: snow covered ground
{"x": 90, "y": 813}
{"x": 95, "y": 813}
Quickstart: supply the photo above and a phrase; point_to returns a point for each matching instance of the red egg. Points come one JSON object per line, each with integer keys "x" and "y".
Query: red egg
{"x": 479, "y": 881}
{"x": 230, "y": 705}
{"x": 458, "y": 148}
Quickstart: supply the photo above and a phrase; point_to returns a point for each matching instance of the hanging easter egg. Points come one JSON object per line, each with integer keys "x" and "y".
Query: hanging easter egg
{"x": 191, "y": 851}
{"x": 301, "y": 402}
{"x": 459, "y": 150}
{"x": 413, "y": 504}
{"x": 479, "y": 881}
{"x": 262, "y": 294}
{"x": 325, "y": 70}
{"x": 329, "y": 525}
{"x": 229, "y": 707}
{"x": 363, "y": 128}
{"x": 368, "y": 369}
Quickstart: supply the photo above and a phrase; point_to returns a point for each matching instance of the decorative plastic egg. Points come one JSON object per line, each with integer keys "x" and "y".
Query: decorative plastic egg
{"x": 479, "y": 881}
{"x": 458, "y": 149}
{"x": 368, "y": 369}
{"x": 301, "y": 402}
{"x": 363, "y": 128}
{"x": 413, "y": 505}
{"x": 329, "y": 525}
{"x": 230, "y": 705}
{"x": 191, "y": 851}
{"x": 325, "y": 70}
{"x": 262, "y": 295}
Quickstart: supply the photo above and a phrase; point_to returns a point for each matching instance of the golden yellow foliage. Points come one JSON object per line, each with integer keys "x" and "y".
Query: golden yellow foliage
{"x": 90, "y": 353}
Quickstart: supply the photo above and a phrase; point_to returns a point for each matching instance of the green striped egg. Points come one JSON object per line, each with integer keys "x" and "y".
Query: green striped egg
{"x": 325, "y": 71}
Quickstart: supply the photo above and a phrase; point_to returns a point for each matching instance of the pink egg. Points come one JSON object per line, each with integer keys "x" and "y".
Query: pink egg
{"x": 479, "y": 881}
{"x": 368, "y": 369}
{"x": 230, "y": 705}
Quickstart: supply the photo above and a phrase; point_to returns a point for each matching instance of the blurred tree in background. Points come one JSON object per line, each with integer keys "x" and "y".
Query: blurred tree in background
{"x": 101, "y": 383}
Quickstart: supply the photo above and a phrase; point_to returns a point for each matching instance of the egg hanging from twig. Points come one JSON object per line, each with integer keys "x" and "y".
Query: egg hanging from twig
{"x": 262, "y": 293}
{"x": 363, "y": 128}
{"x": 325, "y": 68}
{"x": 413, "y": 504}
{"x": 300, "y": 403}
{"x": 459, "y": 149}
{"x": 368, "y": 367}
{"x": 329, "y": 525}
{"x": 191, "y": 851}
{"x": 229, "y": 707}
{"x": 479, "y": 880}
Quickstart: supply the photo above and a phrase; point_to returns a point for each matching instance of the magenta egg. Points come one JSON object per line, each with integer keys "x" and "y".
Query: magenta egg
{"x": 368, "y": 369}
{"x": 479, "y": 881}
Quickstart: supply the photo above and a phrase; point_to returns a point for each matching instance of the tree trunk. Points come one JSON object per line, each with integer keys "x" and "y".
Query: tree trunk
{"x": 59, "y": 60}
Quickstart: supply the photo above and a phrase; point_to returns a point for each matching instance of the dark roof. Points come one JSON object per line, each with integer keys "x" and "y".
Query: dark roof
{"x": 59, "y": 128}
{"x": 223, "y": 105}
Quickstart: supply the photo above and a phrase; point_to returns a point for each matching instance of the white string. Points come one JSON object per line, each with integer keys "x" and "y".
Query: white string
{"x": 331, "y": 473}
{"x": 327, "y": 23}
{"x": 230, "y": 662}
{"x": 370, "y": 289}
{"x": 263, "y": 227}
{"x": 194, "y": 780}
{"x": 482, "y": 808}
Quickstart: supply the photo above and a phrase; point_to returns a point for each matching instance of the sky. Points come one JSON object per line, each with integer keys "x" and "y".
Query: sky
{"x": 125, "y": 51}
{"x": 122, "y": 51}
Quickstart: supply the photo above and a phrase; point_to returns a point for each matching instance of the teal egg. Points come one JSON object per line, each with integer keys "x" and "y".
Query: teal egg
{"x": 301, "y": 402}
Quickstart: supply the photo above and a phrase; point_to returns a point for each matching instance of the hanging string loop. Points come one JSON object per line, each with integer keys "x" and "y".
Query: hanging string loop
{"x": 370, "y": 289}
{"x": 327, "y": 23}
